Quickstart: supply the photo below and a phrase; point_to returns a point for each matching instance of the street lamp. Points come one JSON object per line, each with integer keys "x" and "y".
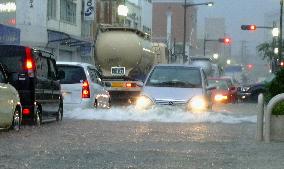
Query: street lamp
{"x": 184, "y": 22}
{"x": 280, "y": 32}
{"x": 276, "y": 50}
{"x": 122, "y": 10}
{"x": 228, "y": 61}
{"x": 216, "y": 56}
{"x": 275, "y": 32}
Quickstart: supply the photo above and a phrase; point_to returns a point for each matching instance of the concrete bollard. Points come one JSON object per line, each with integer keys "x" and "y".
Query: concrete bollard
{"x": 260, "y": 114}
{"x": 276, "y": 99}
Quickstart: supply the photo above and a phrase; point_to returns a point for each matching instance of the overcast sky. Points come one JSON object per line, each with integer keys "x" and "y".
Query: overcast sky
{"x": 236, "y": 13}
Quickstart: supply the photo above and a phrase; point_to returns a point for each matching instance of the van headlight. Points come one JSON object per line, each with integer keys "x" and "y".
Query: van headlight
{"x": 143, "y": 102}
{"x": 197, "y": 103}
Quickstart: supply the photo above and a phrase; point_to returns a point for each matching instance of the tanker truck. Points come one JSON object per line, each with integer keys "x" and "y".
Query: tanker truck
{"x": 124, "y": 57}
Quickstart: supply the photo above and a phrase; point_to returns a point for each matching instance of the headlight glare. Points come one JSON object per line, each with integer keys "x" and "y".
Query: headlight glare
{"x": 219, "y": 97}
{"x": 197, "y": 103}
{"x": 144, "y": 102}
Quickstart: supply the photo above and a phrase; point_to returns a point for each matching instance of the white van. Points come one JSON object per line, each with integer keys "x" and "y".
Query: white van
{"x": 82, "y": 86}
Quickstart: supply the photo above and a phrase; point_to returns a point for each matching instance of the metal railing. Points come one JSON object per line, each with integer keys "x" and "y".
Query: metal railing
{"x": 264, "y": 117}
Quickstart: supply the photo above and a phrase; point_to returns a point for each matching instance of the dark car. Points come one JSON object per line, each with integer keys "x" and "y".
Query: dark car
{"x": 251, "y": 92}
{"x": 225, "y": 91}
{"x": 34, "y": 75}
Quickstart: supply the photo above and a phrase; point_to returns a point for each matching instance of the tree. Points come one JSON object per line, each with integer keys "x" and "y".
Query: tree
{"x": 266, "y": 50}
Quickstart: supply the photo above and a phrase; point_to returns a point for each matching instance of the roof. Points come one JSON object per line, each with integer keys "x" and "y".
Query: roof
{"x": 178, "y": 65}
{"x": 74, "y": 63}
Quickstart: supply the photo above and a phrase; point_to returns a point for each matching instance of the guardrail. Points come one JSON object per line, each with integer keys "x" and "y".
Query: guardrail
{"x": 264, "y": 117}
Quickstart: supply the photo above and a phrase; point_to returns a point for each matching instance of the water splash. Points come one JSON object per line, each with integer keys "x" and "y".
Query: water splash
{"x": 158, "y": 114}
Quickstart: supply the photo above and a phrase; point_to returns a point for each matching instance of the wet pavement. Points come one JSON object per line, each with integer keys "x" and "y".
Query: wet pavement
{"x": 143, "y": 141}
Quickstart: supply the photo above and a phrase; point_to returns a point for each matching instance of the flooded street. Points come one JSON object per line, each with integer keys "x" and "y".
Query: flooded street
{"x": 121, "y": 138}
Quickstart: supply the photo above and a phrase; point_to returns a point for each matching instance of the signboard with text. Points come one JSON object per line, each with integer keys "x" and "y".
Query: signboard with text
{"x": 89, "y": 10}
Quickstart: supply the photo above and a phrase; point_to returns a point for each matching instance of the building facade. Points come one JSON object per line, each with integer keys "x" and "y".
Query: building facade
{"x": 139, "y": 14}
{"x": 168, "y": 26}
{"x": 54, "y": 25}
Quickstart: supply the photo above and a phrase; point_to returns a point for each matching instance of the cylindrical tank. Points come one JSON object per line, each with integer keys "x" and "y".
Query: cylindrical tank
{"x": 123, "y": 48}
{"x": 203, "y": 62}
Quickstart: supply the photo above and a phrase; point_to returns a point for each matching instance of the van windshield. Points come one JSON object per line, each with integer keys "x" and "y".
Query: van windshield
{"x": 12, "y": 57}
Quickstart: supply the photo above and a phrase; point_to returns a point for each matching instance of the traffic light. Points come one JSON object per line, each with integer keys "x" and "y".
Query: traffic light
{"x": 226, "y": 41}
{"x": 282, "y": 63}
{"x": 249, "y": 67}
{"x": 248, "y": 27}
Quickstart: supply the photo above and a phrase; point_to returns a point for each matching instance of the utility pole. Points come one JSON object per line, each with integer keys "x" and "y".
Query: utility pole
{"x": 184, "y": 32}
{"x": 244, "y": 52}
{"x": 280, "y": 32}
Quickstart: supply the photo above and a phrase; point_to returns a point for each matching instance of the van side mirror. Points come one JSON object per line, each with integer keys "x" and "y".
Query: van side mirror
{"x": 211, "y": 88}
{"x": 61, "y": 74}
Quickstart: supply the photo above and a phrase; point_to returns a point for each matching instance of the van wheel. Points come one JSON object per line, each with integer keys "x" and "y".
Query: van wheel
{"x": 37, "y": 117}
{"x": 96, "y": 104}
{"x": 109, "y": 103}
{"x": 16, "y": 125}
{"x": 59, "y": 115}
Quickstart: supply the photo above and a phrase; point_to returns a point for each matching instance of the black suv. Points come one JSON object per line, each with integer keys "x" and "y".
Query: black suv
{"x": 34, "y": 74}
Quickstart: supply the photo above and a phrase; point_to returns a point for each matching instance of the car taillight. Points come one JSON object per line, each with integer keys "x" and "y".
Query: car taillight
{"x": 29, "y": 63}
{"x": 85, "y": 89}
{"x": 131, "y": 85}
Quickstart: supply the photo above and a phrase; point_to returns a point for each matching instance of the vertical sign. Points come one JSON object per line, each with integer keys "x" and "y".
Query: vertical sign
{"x": 89, "y": 10}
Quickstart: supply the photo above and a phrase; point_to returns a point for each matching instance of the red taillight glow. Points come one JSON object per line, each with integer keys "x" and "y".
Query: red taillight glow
{"x": 85, "y": 84}
{"x": 128, "y": 84}
{"x": 85, "y": 89}
{"x": 29, "y": 63}
{"x": 26, "y": 111}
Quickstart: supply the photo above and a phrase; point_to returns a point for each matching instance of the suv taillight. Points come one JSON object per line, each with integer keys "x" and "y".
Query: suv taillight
{"x": 85, "y": 89}
{"x": 29, "y": 63}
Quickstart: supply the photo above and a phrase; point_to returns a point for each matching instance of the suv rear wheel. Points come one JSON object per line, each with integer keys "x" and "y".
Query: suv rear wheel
{"x": 37, "y": 117}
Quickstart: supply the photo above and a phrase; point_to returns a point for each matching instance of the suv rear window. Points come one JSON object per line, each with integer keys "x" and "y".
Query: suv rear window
{"x": 12, "y": 57}
{"x": 73, "y": 74}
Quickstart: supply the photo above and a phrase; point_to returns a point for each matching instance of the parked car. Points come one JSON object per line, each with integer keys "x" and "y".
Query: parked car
{"x": 82, "y": 86}
{"x": 10, "y": 106}
{"x": 174, "y": 84}
{"x": 34, "y": 75}
{"x": 225, "y": 91}
{"x": 251, "y": 92}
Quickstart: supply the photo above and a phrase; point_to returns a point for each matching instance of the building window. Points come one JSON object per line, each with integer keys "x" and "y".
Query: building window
{"x": 51, "y": 9}
{"x": 68, "y": 11}
{"x": 146, "y": 29}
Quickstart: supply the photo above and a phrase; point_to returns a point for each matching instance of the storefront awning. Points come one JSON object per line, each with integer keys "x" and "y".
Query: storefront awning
{"x": 9, "y": 35}
{"x": 66, "y": 39}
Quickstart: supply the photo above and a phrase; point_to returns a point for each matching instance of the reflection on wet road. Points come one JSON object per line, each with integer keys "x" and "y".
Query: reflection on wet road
{"x": 122, "y": 138}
